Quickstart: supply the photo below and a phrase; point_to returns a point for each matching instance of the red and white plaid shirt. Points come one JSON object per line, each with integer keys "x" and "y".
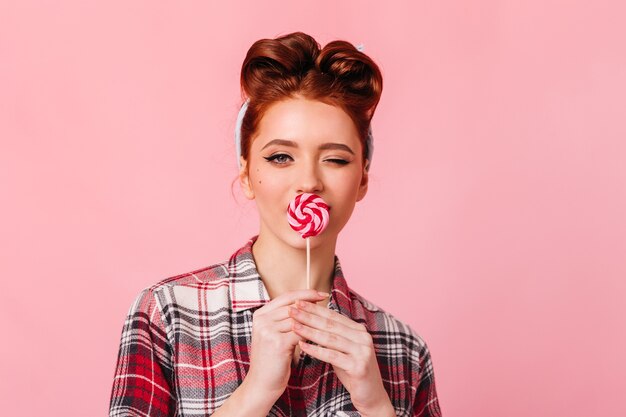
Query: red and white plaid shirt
{"x": 186, "y": 341}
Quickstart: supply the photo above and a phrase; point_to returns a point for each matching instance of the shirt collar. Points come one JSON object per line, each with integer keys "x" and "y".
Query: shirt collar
{"x": 248, "y": 291}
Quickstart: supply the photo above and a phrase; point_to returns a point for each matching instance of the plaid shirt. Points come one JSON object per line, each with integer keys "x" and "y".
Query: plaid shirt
{"x": 186, "y": 341}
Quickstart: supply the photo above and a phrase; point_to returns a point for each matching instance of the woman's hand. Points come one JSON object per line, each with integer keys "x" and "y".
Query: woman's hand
{"x": 273, "y": 342}
{"x": 349, "y": 348}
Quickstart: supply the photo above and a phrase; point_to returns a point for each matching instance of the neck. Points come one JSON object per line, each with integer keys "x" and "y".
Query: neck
{"x": 283, "y": 267}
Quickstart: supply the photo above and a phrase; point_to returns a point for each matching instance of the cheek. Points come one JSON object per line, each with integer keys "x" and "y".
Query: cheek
{"x": 258, "y": 178}
{"x": 349, "y": 182}
{"x": 266, "y": 185}
{"x": 345, "y": 192}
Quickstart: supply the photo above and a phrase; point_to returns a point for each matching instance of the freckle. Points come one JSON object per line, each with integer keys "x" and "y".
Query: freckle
{"x": 260, "y": 181}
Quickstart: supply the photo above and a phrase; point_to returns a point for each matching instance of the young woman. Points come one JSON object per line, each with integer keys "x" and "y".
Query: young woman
{"x": 245, "y": 337}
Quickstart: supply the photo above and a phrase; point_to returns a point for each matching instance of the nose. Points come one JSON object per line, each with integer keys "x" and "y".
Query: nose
{"x": 308, "y": 179}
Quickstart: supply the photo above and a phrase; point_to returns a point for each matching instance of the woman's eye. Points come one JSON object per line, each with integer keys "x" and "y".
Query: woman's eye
{"x": 279, "y": 158}
{"x": 338, "y": 161}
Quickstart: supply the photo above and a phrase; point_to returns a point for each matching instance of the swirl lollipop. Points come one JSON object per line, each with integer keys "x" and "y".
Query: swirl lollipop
{"x": 307, "y": 214}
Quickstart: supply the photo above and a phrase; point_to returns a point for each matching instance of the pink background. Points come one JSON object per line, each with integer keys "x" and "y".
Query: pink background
{"x": 499, "y": 180}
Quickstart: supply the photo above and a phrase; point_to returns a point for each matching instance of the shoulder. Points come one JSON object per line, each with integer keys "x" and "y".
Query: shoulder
{"x": 202, "y": 276}
{"x": 182, "y": 290}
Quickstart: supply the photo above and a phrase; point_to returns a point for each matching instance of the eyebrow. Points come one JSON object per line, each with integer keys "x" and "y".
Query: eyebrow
{"x": 324, "y": 146}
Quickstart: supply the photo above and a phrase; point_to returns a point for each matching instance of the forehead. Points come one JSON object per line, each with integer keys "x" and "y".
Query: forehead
{"x": 304, "y": 120}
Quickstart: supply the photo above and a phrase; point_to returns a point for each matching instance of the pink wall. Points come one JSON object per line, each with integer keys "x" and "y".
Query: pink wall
{"x": 499, "y": 175}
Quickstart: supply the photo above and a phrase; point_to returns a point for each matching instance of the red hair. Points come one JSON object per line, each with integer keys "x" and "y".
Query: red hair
{"x": 294, "y": 66}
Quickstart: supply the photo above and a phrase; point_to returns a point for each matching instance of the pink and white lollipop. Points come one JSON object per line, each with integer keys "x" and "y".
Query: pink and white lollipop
{"x": 307, "y": 214}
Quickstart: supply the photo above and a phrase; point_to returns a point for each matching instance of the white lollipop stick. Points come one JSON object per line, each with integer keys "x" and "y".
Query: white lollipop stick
{"x": 308, "y": 215}
{"x": 308, "y": 263}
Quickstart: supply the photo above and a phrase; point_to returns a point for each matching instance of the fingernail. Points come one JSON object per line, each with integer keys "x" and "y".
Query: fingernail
{"x": 323, "y": 294}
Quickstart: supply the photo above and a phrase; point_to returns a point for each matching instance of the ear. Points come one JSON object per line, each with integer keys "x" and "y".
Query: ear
{"x": 244, "y": 179}
{"x": 364, "y": 181}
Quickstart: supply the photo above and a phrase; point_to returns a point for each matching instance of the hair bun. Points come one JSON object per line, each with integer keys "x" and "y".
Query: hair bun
{"x": 355, "y": 71}
{"x": 277, "y": 60}
{"x": 294, "y": 65}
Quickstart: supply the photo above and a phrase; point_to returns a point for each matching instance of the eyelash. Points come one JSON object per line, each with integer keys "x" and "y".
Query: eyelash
{"x": 338, "y": 161}
{"x": 272, "y": 159}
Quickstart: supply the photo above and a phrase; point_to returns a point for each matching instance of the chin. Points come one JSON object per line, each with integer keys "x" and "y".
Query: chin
{"x": 297, "y": 241}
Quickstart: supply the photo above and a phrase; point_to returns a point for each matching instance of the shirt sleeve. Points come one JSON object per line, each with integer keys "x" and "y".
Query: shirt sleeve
{"x": 426, "y": 403}
{"x": 142, "y": 385}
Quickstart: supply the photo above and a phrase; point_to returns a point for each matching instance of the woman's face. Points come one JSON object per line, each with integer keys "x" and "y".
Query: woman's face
{"x": 304, "y": 146}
